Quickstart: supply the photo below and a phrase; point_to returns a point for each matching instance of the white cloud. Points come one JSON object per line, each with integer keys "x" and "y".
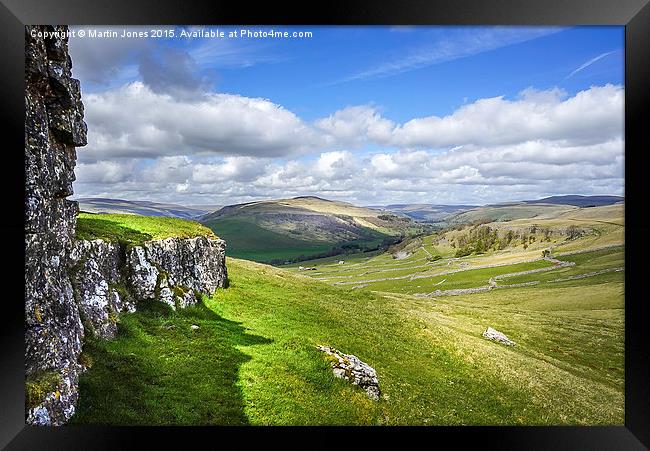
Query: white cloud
{"x": 133, "y": 121}
{"x": 108, "y": 172}
{"x": 335, "y": 165}
{"x": 590, "y": 116}
{"x": 402, "y": 164}
{"x": 241, "y": 169}
{"x": 216, "y": 149}
{"x": 356, "y": 125}
{"x": 177, "y": 169}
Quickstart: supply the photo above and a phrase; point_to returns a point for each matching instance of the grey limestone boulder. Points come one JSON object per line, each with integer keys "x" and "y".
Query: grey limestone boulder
{"x": 495, "y": 335}
{"x": 350, "y": 368}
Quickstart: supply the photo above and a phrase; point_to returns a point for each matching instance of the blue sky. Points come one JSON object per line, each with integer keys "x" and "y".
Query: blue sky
{"x": 347, "y": 107}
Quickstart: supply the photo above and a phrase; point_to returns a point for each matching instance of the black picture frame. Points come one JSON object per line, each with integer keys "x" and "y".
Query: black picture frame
{"x": 633, "y": 14}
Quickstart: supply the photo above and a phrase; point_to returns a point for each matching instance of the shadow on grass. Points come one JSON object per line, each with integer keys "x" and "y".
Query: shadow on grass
{"x": 161, "y": 371}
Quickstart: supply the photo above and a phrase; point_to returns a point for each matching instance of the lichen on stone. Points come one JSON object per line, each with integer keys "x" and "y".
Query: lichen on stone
{"x": 352, "y": 369}
{"x": 38, "y": 385}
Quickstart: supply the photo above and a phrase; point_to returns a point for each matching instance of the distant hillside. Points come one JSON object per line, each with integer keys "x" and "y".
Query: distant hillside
{"x": 103, "y": 205}
{"x": 509, "y": 212}
{"x": 426, "y": 212}
{"x": 456, "y": 214}
{"x": 290, "y": 229}
{"x": 578, "y": 201}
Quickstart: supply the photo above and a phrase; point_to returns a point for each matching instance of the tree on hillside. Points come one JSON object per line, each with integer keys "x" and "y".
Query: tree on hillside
{"x": 573, "y": 232}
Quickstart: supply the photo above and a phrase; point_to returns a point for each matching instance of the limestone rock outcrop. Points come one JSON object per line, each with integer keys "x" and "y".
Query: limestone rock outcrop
{"x": 53, "y": 127}
{"x": 350, "y": 368}
{"x": 109, "y": 279}
{"x": 74, "y": 288}
{"x": 174, "y": 269}
{"x": 96, "y": 279}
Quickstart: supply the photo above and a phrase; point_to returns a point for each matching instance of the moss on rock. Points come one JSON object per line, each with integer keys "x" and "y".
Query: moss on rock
{"x": 38, "y": 385}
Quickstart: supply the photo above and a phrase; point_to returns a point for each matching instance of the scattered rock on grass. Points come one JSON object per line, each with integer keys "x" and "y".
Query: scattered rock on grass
{"x": 349, "y": 367}
{"x": 495, "y": 335}
{"x": 194, "y": 327}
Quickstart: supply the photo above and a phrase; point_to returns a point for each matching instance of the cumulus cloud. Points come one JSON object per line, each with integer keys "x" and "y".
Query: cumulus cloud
{"x": 225, "y": 149}
{"x": 177, "y": 169}
{"x": 337, "y": 165}
{"x": 402, "y": 164}
{"x": 240, "y": 169}
{"x": 465, "y": 175}
{"x": 108, "y": 172}
{"x": 134, "y": 121}
{"x": 589, "y": 116}
{"x": 356, "y": 125}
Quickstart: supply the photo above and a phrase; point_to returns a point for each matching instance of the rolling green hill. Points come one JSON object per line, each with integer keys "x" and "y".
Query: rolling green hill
{"x": 295, "y": 229}
{"x": 146, "y": 208}
{"x": 509, "y": 212}
{"x": 430, "y": 213}
{"x": 444, "y": 215}
{"x": 468, "y": 256}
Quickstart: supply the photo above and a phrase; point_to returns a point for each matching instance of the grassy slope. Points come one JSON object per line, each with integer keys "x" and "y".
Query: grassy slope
{"x": 247, "y": 240}
{"x": 464, "y": 279}
{"x": 511, "y": 212}
{"x": 120, "y": 206}
{"x": 606, "y": 223}
{"x": 586, "y": 263}
{"x": 253, "y": 360}
{"x": 136, "y": 229}
{"x": 330, "y": 207}
{"x": 289, "y": 228}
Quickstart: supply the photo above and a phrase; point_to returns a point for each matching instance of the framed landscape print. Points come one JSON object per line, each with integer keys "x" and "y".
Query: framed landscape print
{"x": 385, "y": 217}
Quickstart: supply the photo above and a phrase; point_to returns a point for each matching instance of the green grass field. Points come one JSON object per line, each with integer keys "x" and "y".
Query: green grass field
{"x": 254, "y": 358}
{"x": 586, "y": 263}
{"x": 462, "y": 279}
{"x": 136, "y": 229}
